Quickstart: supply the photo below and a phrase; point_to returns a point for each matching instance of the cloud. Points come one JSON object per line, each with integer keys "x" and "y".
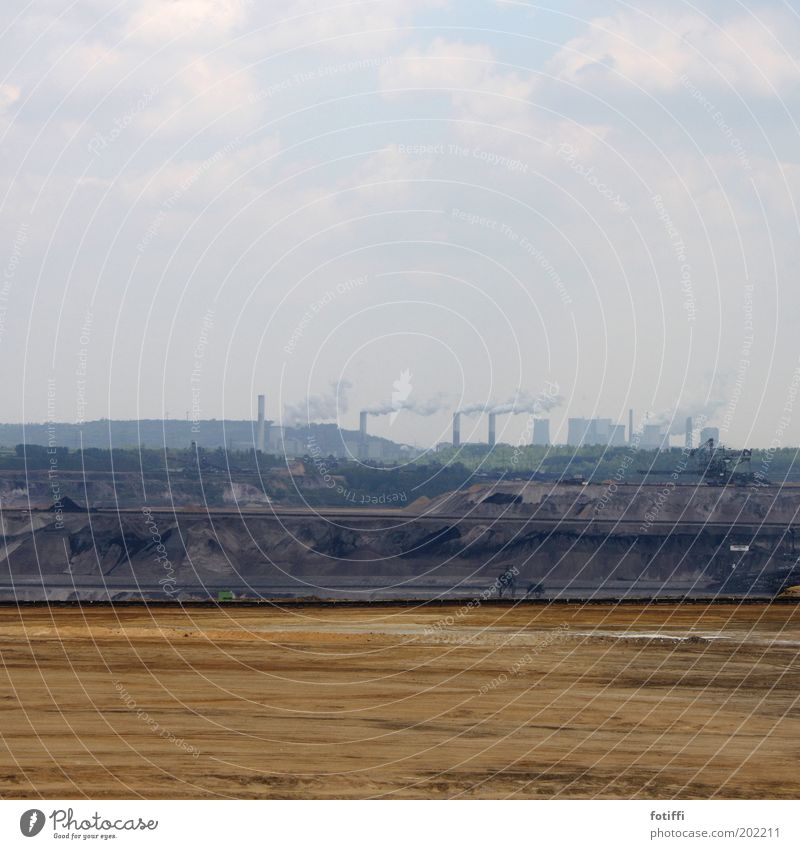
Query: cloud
{"x": 205, "y": 94}
{"x": 367, "y": 28}
{"x": 751, "y": 53}
{"x": 9, "y": 94}
{"x": 459, "y": 69}
{"x": 193, "y": 182}
{"x": 155, "y": 20}
{"x": 484, "y": 93}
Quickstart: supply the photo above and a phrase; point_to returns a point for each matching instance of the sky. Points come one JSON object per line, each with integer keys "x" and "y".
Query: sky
{"x": 203, "y": 200}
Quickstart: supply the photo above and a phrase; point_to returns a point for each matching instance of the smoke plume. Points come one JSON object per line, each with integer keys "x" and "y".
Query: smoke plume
{"x": 319, "y": 408}
{"x": 702, "y": 410}
{"x": 521, "y": 402}
{"x": 428, "y": 407}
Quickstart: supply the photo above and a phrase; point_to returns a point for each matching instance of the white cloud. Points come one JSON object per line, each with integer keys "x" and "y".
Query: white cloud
{"x": 481, "y": 90}
{"x": 459, "y": 68}
{"x": 365, "y": 28}
{"x": 443, "y": 65}
{"x": 9, "y": 94}
{"x": 206, "y": 91}
{"x": 751, "y": 54}
{"x": 156, "y": 20}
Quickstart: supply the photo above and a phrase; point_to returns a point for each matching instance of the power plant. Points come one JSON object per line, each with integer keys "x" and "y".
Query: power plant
{"x": 581, "y": 432}
{"x": 653, "y": 436}
{"x": 541, "y": 431}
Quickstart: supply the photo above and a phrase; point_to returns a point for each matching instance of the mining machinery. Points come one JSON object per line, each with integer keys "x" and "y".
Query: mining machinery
{"x": 507, "y": 582}
{"x": 717, "y": 465}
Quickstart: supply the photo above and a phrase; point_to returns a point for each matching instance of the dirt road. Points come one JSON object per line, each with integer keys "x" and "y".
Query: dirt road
{"x": 553, "y": 702}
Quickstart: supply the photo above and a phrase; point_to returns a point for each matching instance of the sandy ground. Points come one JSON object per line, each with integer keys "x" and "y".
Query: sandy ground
{"x": 522, "y": 702}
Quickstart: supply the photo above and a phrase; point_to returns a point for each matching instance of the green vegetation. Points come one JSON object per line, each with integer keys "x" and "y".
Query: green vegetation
{"x": 148, "y": 460}
{"x": 598, "y": 464}
{"x": 199, "y": 476}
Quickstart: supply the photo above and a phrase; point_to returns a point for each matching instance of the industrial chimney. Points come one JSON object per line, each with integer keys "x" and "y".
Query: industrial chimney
{"x": 261, "y": 426}
{"x": 363, "y": 425}
{"x": 456, "y": 430}
{"x": 630, "y": 427}
{"x": 689, "y": 443}
{"x": 492, "y": 428}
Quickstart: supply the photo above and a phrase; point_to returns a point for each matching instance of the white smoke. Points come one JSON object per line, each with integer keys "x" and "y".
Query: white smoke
{"x": 702, "y": 410}
{"x": 673, "y": 422}
{"x": 326, "y": 406}
{"x": 470, "y": 409}
{"x": 428, "y": 407}
{"x": 520, "y": 402}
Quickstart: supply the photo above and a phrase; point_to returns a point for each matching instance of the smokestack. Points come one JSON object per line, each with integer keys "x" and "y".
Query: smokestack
{"x": 492, "y": 428}
{"x": 456, "y": 430}
{"x": 630, "y": 427}
{"x": 260, "y": 431}
{"x": 689, "y": 433}
{"x": 363, "y": 425}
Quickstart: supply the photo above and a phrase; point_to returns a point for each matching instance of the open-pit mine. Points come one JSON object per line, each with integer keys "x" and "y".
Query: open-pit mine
{"x": 559, "y": 701}
{"x": 506, "y": 640}
{"x": 513, "y": 541}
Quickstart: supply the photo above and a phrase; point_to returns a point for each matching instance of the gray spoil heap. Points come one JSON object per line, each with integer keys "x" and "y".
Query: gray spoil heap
{"x": 500, "y": 541}
{"x": 611, "y": 501}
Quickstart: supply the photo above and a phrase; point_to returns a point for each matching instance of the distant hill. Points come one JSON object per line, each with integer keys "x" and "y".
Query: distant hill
{"x": 128, "y": 433}
{"x": 238, "y": 434}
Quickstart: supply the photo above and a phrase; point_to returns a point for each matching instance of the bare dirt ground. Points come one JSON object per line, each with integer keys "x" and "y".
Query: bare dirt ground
{"x": 551, "y": 702}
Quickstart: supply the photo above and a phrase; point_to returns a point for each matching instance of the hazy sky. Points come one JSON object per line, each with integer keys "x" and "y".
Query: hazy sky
{"x": 204, "y": 199}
